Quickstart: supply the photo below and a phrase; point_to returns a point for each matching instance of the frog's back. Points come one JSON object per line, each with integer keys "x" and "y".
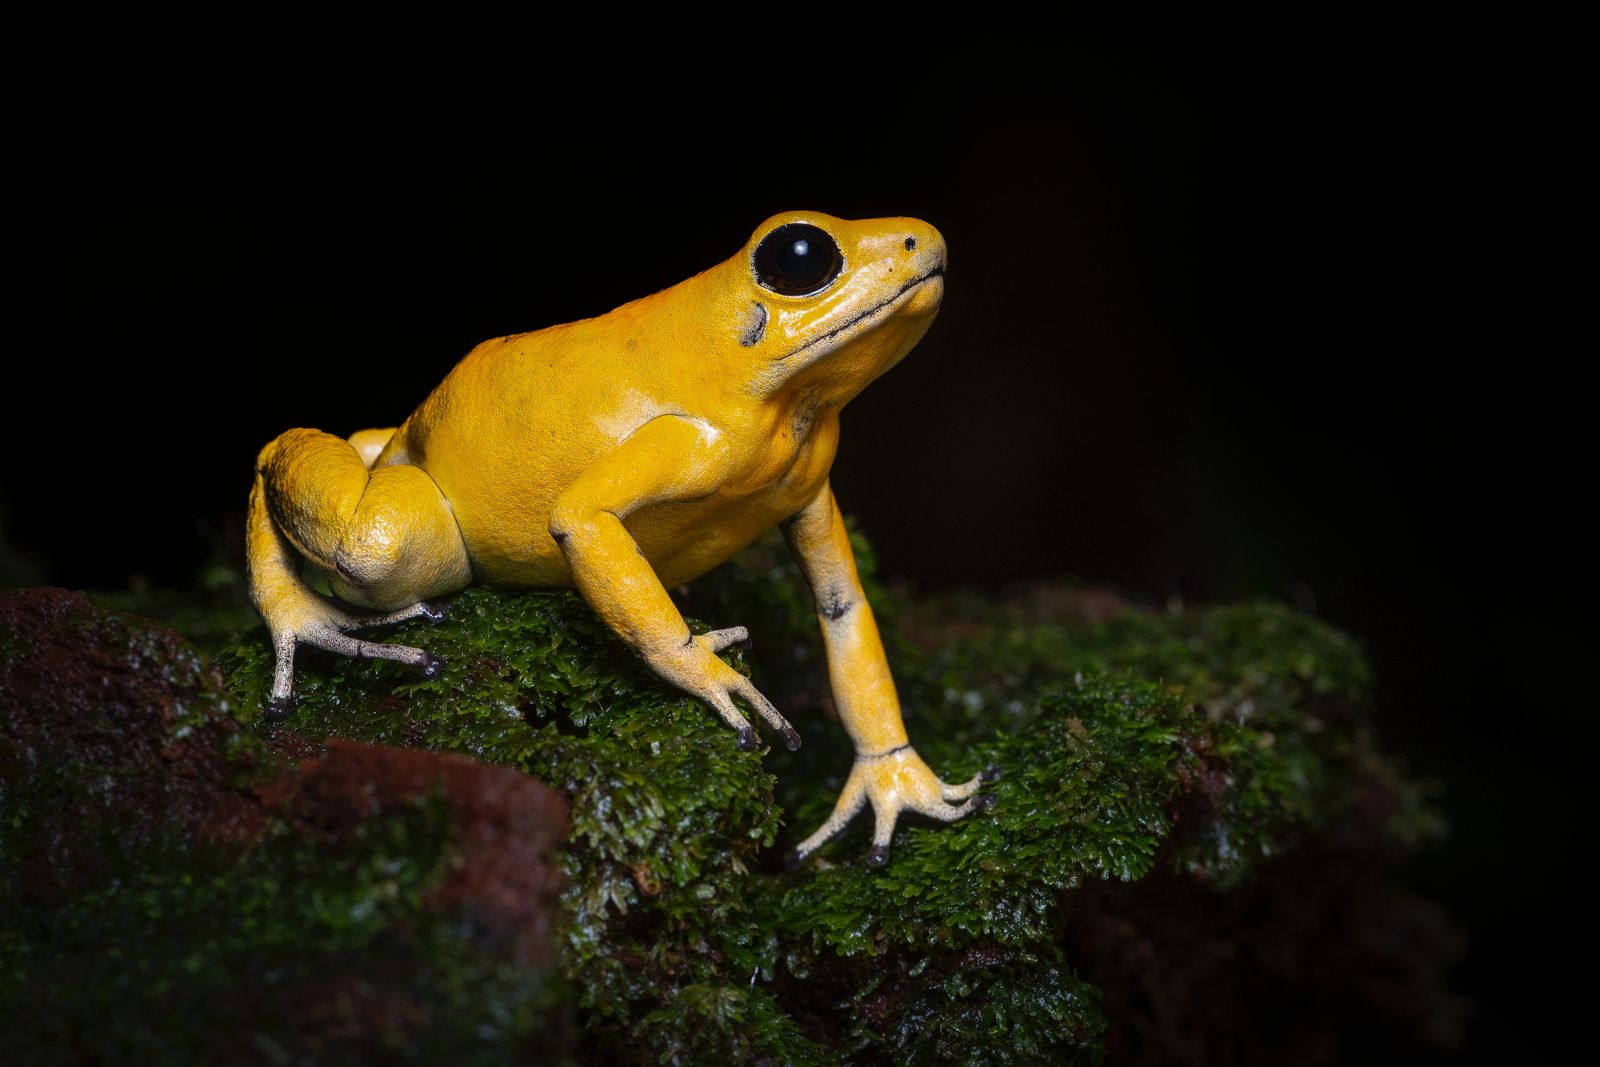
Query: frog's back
{"x": 520, "y": 417}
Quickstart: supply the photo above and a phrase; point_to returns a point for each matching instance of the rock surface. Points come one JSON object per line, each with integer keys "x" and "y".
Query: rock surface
{"x": 1191, "y": 859}
{"x": 174, "y": 889}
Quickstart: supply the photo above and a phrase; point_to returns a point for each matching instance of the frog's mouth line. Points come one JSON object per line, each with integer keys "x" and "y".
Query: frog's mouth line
{"x": 937, "y": 272}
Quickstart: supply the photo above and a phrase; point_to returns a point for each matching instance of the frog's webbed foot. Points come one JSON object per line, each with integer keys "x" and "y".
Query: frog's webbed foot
{"x": 695, "y": 668}
{"x": 893, "y": 782}
{"x": 330, "y": 633}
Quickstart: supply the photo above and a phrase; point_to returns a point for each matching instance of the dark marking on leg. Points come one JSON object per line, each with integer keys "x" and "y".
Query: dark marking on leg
{"x": 559, "y": 536}
{"x": 791, "y": 520}
{"x": 835, "y": 605}
{"x": 911, "y": 244}
{"x": 886, "y": 752}
{"x": 757, "y": 328}
{"x": 877, "y": 855}
{"x": 687, "y": 641}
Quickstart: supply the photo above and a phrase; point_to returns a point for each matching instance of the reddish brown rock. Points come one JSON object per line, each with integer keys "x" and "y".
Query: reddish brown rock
{"x": 117, "y": 732}
{"x": 110, "y": 720}
{"x": 507, "y": 829}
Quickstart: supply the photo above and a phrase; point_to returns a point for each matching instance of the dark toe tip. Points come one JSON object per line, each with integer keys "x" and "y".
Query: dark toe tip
{"x": 791, "y": 739}
{"x": 747, "y": 740}
{"x": 793, "y": 860}
{"x": 430, "y": 666}
{"x": 984, "y": 803}
{"x": 278, "y": 708}
{"x": 877, "y": 855}
{"x": 990, "y": 773}
{"x": 746, "y": 643}
{"x": 434, "y": 613}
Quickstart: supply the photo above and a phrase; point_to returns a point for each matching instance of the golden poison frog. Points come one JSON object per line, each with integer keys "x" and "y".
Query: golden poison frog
{"x": 624, "y": 455}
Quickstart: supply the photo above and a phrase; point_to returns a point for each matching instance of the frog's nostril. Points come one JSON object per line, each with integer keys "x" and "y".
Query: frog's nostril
{"x": 911, "y": 244}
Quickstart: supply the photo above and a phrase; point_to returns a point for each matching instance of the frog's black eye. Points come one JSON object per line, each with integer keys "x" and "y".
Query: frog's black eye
{"x": 797, "y": 260}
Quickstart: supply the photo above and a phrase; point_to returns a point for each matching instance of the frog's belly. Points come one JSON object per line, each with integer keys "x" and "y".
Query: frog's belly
{"x": 681, "y": 541}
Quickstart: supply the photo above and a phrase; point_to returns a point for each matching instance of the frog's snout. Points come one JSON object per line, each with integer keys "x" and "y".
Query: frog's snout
{"x": 926, "y": 247}
{"x": 927, "y": 257}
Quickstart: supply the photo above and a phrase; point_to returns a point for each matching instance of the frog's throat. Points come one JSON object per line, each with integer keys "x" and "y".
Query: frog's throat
{"x": 936, "y": 272}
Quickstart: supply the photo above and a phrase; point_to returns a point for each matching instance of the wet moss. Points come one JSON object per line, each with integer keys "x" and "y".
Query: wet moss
{"x": 154, "y": 907}
{"x": 667, "y": 815}
{"x": 288, "y": 953}
{"x": 982, "y": 1006}
{"x": 1199, "y": 745}
{"x": 1168, "y": 753}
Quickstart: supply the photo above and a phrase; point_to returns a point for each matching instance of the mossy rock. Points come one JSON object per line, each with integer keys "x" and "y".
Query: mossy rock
{"x": 1193, "y": 752}
{"x": 171, "y": 891}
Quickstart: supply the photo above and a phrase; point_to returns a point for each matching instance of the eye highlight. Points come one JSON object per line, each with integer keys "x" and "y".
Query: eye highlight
{"x": 797, "y": 259}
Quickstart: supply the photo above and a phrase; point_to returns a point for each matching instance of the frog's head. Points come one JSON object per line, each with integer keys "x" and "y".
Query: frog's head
{"x": 828, "y": 303}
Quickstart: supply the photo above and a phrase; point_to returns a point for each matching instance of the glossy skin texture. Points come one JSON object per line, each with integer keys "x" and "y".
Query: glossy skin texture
{"x": 623, "y": 455}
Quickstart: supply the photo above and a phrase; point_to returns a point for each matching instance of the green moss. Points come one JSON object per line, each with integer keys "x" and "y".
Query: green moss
{"x": 129, "y": 934}
{"x": 199, "y": 956}
{"x": 1089, "y": 781}
{"x": 116, "y": 672}
{"x": 1196, "y": 745}
{"x": 1205, "y": 741}
{"x": 982, "y": 1006}
{"x": 667, "y": 814}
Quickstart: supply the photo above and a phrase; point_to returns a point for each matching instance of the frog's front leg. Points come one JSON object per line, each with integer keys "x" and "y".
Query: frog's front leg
{"x": 669, "y": 459}
{"x": 887, "y": 772}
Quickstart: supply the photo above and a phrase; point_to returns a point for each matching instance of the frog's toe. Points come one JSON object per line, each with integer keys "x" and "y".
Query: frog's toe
{"x": 429, "y": 666}
{"x": 748, "y": 742}
{"x": 765, "y": 709}
{"x": 720, "y": 640}
{"x": 877, "y": 855}
{"x": 951, "y": 812}
{"x": 332, "y": 639}
{"x": 852, "y": 798}
{"x": 346, "y": 622}
{"x": 991, "y": 773}
{"x": 963, "y": 791}
{"x": 279, "y": 708}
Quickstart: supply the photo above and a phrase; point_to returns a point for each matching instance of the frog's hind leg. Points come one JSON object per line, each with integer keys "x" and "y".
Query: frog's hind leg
{"x": 386, "y": 537}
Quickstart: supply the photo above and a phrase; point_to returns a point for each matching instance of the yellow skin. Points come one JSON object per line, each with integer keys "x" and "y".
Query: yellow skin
{"x": 624, "y": 455}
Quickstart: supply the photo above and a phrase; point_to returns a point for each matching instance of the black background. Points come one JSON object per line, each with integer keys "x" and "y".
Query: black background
{"x": 1240, "y": 311}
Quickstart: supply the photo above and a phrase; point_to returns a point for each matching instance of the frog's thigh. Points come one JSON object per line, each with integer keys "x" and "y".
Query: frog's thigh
{"x": 401, "y": 545}
{"x": 387, "y": 537}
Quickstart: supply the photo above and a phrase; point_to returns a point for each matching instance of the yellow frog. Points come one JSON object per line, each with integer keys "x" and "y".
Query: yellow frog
{"x": 624, "y": 455}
